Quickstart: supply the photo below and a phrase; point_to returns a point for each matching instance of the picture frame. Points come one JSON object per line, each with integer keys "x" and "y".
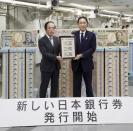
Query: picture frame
{"x": 67, "y": 47}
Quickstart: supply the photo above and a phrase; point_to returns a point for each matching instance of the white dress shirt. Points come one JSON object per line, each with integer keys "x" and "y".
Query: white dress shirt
{"x": 81, "y": 34}
{"x": 51, "y": 39}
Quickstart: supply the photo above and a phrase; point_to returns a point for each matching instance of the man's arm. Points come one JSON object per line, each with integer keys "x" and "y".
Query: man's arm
{"x": 91, "y": 50}
{"x": 44, "y": 52}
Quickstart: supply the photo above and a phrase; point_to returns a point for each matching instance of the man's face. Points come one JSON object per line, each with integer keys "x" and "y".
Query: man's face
{"x": 28, "y": 37}
{"x": 119, "y": 36}
{"x": 50, "y": 29}
{"x": 82, "y": 24}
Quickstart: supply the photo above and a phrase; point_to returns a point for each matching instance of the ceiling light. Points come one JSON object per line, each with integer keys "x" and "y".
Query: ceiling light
{"x": 24, "y": 3}
{"x": 63, "y": 9}
{"x": 111, "y": 12}
{"x": 92, "y": 15}
{"x": 128, "y": 15}
{"x": 78, "y": 12}
{"x": 81, "y": 6}
{"x": 86, "y": 12}
{"x": 110, "y": 16}
{"x": 61, "y": 1}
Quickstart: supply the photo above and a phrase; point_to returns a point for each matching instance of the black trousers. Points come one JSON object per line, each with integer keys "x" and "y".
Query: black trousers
{"x": 77, "y": 81}
{"x": 45, "y": 78}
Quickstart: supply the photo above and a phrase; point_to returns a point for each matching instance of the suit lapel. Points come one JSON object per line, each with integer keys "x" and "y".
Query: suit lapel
{"x": 48, "y": 42}
{"x": 55, "y": 43}
{"x": 87, "y": 36}
{"x": 54, "y": 40}
{"x": 78, "y": 37}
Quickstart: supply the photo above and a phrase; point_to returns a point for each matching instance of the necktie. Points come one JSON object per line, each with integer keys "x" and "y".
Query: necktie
{"x": 82, "y": 37}
{"x": 51, "y": 40}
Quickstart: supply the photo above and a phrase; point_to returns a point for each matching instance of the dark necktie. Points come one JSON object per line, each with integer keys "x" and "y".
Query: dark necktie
{"x": 82, "y": 38}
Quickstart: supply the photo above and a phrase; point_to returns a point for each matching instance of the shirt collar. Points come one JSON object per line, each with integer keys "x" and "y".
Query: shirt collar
{"x": 49, "y": 36}
{"x": 83, "y": 32}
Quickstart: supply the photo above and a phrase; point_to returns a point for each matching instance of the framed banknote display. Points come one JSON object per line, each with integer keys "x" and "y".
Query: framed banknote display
{"x": 67, "y": 46}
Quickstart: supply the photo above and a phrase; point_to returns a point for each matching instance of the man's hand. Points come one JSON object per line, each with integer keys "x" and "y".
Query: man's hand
{"x": 78, "y": 57}
{"x": 59, "y": 58}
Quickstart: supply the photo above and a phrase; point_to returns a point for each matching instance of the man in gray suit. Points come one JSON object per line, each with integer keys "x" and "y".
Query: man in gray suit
{"x": 49, "y": 46}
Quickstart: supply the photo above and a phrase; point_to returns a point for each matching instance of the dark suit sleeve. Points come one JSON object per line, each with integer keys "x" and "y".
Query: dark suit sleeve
{"x": 44, "y": 52}
{"x": 92, "y": 48}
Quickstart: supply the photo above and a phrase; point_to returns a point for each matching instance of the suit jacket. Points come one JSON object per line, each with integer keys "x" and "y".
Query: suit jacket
{"x": 49, "y": 52}
{"x": 87, "y": 48}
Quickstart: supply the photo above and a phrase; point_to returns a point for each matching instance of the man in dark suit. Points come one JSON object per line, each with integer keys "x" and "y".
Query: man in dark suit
{"x": 82, "y": 64}
{"x": 49, "y": 46}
